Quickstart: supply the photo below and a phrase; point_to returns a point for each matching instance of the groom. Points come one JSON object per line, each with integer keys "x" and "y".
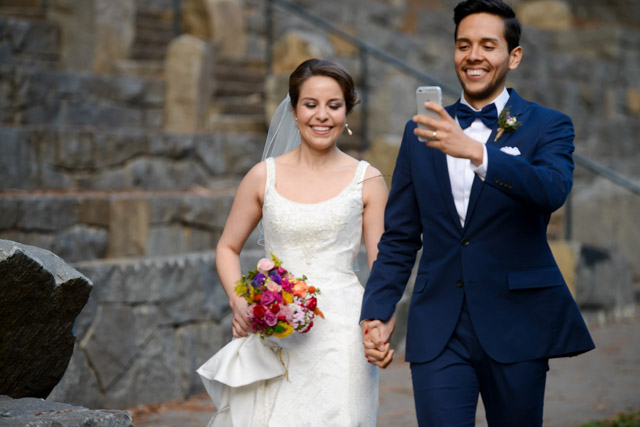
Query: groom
{"x": 490, "y": 306}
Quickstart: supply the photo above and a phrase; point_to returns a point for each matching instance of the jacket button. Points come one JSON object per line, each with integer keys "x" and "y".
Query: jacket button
{"x": 459, "y": 283}
{"x": 465, "y": 242}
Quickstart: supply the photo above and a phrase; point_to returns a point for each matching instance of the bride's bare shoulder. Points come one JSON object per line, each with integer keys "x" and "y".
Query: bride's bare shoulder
{"x": 257, "y": 174}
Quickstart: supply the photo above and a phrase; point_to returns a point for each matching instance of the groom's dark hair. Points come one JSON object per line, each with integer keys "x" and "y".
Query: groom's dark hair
{"x": 321, "y": 67}
{"x": 512, "y": 27}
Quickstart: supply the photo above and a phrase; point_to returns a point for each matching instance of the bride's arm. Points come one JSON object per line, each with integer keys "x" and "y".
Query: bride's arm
{"x": 376, "y": 334}
{"x": 374, "y": 198}
{"x": 245, "y": 214}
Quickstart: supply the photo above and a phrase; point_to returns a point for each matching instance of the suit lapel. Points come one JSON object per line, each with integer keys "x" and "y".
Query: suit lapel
{"x": 515, "y": 102}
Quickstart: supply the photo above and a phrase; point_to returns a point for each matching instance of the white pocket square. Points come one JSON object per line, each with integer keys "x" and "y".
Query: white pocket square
{"x": 511, "y": 150}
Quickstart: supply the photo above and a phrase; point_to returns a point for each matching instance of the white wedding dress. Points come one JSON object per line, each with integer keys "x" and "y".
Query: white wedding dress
{"x": 329, "y": 380}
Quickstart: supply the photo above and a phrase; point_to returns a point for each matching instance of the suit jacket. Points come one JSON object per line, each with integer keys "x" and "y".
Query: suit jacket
{"x": 500, "y": 262}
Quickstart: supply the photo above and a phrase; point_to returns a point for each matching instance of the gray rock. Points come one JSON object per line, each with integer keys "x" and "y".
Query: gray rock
{"x": 41, "y": 413}
{"x": 40, "y": 296}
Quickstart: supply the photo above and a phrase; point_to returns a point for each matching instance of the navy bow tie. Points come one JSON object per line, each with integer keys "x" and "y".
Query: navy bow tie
{"x": 466, "y": 116}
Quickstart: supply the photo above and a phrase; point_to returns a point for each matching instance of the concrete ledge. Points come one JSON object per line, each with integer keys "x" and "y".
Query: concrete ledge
{"x": 37, "y": 412}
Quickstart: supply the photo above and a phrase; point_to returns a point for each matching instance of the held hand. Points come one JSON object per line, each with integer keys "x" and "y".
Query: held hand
{"x": 240, "y": 324}
{"x": 380, "y": 356}
{"x": 376, "y": 335}
{"x": 447, "y": 136}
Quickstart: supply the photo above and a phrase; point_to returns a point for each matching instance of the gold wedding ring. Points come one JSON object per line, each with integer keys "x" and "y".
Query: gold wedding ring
{"x": 435, "y": 134}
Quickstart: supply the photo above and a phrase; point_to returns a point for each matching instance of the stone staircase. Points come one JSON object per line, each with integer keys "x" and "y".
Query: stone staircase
{"x": 237, "y": 102}
{"x": 89, "y": 174}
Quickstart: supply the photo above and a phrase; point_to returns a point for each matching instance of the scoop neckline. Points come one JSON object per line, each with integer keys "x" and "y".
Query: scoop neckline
{"x": 275, "y": 190}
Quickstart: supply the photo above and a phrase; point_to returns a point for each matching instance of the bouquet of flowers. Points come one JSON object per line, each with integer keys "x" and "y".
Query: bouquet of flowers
{"x": 279, "y": 303}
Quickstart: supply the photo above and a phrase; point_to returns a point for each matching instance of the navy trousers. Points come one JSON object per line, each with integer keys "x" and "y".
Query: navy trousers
{"x": 446, "y": 388}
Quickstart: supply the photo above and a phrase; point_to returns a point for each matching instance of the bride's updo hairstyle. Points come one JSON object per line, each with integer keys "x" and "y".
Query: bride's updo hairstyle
{"x": 321, "y": 67}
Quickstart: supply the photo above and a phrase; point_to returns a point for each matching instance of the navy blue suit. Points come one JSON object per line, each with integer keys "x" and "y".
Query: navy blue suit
{"x": 499, "y": 266}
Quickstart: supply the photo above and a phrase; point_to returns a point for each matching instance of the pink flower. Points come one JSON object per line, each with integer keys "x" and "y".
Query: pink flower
{"x": 264, "y": 265}
{"x": 274, "y": 287}
{"x": 287, "y": 312}
{"x": 270, "y": 318}
{"x": 268, "y": 298}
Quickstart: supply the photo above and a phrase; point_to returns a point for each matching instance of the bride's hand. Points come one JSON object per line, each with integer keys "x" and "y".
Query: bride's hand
{"x": 380, "y": 355}
{"x": 240, "y": 324}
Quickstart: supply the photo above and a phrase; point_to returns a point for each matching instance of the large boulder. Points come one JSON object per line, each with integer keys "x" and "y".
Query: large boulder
{"x": 40, "y": 296}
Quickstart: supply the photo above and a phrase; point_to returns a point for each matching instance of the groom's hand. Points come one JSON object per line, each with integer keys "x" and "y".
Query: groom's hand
{"x": 379, "y": 355}
{"x": 446, "y": 135}
{"x": 376, "y": 335}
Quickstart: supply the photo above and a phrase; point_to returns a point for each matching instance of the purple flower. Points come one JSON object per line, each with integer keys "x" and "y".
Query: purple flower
{"x": 276, "y": 278}
{"x": 270, "y": 318}
{"x": 258, "y": 280}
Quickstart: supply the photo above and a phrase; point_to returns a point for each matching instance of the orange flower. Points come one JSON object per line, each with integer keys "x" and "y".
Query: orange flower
{"x": 300, "y": 289}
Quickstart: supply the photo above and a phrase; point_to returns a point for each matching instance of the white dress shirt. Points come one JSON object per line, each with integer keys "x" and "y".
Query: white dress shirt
{"x": 462, "y": 171}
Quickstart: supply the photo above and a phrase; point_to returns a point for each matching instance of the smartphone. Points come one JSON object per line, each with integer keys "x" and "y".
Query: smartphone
{"x": 424, "y": 94}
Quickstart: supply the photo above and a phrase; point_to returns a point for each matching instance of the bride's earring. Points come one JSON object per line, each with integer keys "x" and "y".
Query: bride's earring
{"x": 346, "y": 126}
{"x": 297, "y": 128}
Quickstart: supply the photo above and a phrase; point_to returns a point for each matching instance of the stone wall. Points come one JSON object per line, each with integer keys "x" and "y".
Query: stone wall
{"x": 148, "y": 325}
{"x": 74, "y": 158}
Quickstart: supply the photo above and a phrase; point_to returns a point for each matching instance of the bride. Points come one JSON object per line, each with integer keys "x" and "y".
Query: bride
{"x": 316, "y": 204}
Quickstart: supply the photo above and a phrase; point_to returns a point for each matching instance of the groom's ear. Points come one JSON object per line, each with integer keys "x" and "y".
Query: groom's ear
{"x": 515, "y": 56}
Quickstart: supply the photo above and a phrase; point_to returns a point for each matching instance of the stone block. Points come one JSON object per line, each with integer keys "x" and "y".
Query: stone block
{"x": 115, "y": 31}
{"x": 546, "y": 14}
{"x": 94, "y": 211}
{"x": 115, "y": 338}
{"x": 81, "y": 243}
{"x": 153, "y": 377}
{"x": 227, "y": 26}
{"x": 196, "y": 343}
{"x": 194, "y": 17}
{"x": 296, "y": 46}
{"x": 128, "y": 227}
{"x": 79, "y": 383}
{"x": 187, "y": 74}
{"x": 276, "y": 88}
{"x": 38, "y": 412}
{"x": 604, "y": 215}
{"x": 41, "y": 296}
{"x": 77, "y": 21}
{"x": 41, "y": 213}
{"x": 16, "y": 159}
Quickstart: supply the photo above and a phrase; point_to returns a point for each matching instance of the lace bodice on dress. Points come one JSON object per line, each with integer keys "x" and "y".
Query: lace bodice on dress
{"x": 317, "y": 234}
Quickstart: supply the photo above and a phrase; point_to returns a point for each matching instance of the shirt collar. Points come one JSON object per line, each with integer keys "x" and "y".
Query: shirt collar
{"x": 500, "y": 101}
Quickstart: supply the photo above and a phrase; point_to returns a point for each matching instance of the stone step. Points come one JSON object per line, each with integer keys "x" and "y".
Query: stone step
{"x": 51, "y": 158}
{"x": 24, "y": 9}
{"x": 154, "y": 36}
{"x": 161, "y": 19}
{"x": 236, "y": 105}
{"x": 146, "y": 69}
{"x": 27, "y": 41}
{"x": 66, "y": 98}
{"x": 234, "y": 73}
{"x": 236, "y": 123}
{"x": 146, "y": 52}
{"x": 235, "y": 88}
{"x": 82, "y": 226}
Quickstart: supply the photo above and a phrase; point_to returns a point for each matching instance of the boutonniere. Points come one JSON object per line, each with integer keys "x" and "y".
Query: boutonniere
{"x": 506, "y": 122}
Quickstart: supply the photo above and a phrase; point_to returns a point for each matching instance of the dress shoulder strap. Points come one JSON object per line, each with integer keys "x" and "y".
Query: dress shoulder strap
{"x": 361, "y": 171}
{"x": 271, "y": 173}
